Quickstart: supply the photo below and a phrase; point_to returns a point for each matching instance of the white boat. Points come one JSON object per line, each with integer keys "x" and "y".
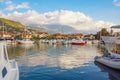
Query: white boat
{"x": 8, "y": 68}
{"x": 112, "y": 61}
{"x": 25, "y": 41}
{"x": 113, "y": 74}
{"x": 65, "y": 42}
{"x": 46, "y": 41}
{"x": 109, "y": 39}
{"x": 111, "y": 44}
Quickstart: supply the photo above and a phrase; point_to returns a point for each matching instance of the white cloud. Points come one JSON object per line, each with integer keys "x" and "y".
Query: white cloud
{"x": 2, "y": 14}
{"x": 116, "y": 2}
{"x": 12, "y": 6}
{"x": 9, "y": 2}
{"x": 77, "y": 20}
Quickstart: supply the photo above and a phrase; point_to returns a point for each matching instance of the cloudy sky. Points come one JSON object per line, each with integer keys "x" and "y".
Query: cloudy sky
{"x": 85, "y": 15}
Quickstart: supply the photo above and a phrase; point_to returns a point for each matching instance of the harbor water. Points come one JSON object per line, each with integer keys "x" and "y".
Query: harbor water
{"x": 60, "y": 62}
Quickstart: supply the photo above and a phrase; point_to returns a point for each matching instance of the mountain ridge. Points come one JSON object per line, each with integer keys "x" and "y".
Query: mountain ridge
{"x": 12, "y": 23}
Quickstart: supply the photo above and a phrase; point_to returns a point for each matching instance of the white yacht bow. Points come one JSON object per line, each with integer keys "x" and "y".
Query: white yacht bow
{"x": 8, "y": 68}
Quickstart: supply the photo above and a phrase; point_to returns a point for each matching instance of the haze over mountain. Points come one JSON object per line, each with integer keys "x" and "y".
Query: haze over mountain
{"x": 55, "y": 28}
{"x": 58, "y": 28}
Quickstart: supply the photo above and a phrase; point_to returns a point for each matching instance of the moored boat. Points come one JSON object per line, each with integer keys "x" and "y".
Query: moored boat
{"x": 9, "y": 68}
{"x": 25, "y": 41}
{"x": 112, "y": 61}
{"x": 113, "y": 74}
{"x": 78, "y": 42}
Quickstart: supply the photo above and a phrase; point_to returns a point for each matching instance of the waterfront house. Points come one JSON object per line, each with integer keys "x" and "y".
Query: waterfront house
{"x": 5, "y": 35}
{"x": 89, "y": 37}
{"x": 77, "y": 35}
{"x": 26, "y": 36}
{"x": 42, "y": 34}
{"x": 60, "y": 36}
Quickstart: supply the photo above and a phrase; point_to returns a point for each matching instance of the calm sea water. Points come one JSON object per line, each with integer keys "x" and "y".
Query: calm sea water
{"x": 60, "y": 62}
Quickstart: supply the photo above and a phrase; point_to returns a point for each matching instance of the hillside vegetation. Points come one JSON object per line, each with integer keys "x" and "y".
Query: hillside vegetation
{"x": 11, "y": 23}
{"x": 11, "y": 26}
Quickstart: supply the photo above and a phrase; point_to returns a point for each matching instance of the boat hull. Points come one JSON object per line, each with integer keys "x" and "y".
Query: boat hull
{"x": 78, "y": 43}
{"x": 25, "y": 42}
{"x": 112, "y": 63}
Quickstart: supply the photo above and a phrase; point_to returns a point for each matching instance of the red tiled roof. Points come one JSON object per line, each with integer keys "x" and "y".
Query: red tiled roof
{"x": 42, "y": 33}
{"x": 87, "y": 35}
{"x": 6, "y": 33}
{"x": 76, "y": 34}
{"x": 58, "y": 34}
{"x": 25, "y": 34}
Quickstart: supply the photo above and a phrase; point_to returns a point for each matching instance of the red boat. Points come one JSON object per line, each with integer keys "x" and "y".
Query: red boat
{"x": 78, "y": 43}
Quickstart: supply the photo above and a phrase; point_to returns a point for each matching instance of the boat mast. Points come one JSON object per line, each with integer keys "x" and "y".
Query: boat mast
{"x": 4, "y": 45}
{"x": 3, "y": 31}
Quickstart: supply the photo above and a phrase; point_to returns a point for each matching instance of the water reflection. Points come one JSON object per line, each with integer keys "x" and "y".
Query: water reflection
{"x": 113, "y": 74}
{"x": 65, "y": 57}
{"x": 59, "y": 62}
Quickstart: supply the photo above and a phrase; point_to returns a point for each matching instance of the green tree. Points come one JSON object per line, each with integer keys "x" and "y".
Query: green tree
{"x": 103, "y": 32}
{"x": 50, "y": 37}
{"x": 18, "y": 37}
{"x": 35, "y": 38}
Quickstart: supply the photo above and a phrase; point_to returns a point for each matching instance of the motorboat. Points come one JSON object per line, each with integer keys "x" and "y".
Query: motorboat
{"x": 78, "y": 42}
{"x": 8, "y": 68}
{"x": 113, "y": 60}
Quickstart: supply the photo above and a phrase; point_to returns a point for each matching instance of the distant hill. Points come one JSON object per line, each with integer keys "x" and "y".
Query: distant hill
{"x": 42, "y": 28}
{"x": 11, "y": 26}
{"x": 61, "y": 28}
{"x": 55, "y": 28}
{"x": 11, "y": 23}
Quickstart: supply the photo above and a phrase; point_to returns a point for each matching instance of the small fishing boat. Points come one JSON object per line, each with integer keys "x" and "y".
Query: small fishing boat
{"x": 46, "y": 41}
{"x": 113, "y": 60}
{"x": 8, "y": 68}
